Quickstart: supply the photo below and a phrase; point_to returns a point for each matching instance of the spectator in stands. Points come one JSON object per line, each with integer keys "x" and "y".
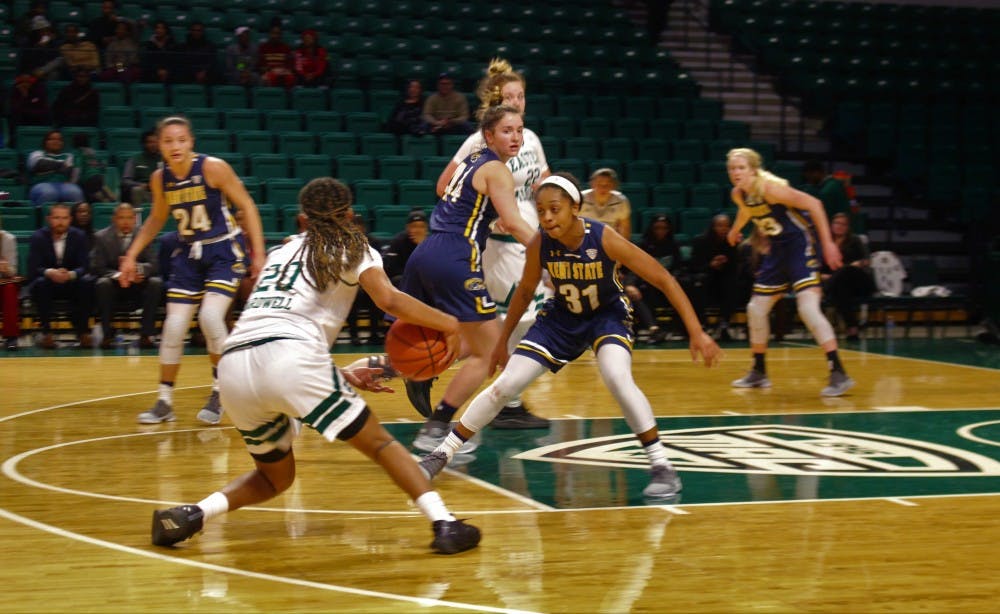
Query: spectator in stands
{"x": 92, "y": 171}
{"x": 108, "y": 247}
{"x": 52, "y": 172}
{"x": 77, "y": 104}
{"x": 104, "y": 29}
{"x": 9, "y": 289}
{"x": 446, "y": 111}
{"x": 827, "y": 188}
{"x": 197, "y": 56}
{"x": 241, "y": 59}
{"x": 81, "y": 217}
{"x": 715, "y": 270}
{"x": 138, "y": 169}
{"x": 24, "y": 30}
{"x": 275, "y": 59}
{"x": 40, "y": 57}
{"x": 851, "y": 283}
{"x": 403, "y": 244}
{"x": 77, "y": 52}
{"x": 604, "y": 203}
{"x": 121, "y": 56}
{"x": 159, "y": 55}
{"x": 29, "y": 103}
{"x": 363, "y": 303}
{"x": 407, "y": 115}
{"x": 310, "y": 61}
{"x": 57, "y": 263}
{"x": 658, "y": 241}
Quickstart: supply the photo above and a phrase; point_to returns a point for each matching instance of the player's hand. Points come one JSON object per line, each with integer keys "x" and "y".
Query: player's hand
{"x": 734, "y": 237}
{"x": 831, "y": 254}
{"x": 498, "y": 358}
{"x": 454, "y": 343}
{"x": 706, "y": 347}
{"x": 256, "y": 265}
{"x": 366, "y": 378}
{"x": 127, "y": 271}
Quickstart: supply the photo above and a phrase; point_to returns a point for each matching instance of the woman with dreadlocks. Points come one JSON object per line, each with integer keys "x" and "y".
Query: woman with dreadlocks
{"x": 275, "y": 372}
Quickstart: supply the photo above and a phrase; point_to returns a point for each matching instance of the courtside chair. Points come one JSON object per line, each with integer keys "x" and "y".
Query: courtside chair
{"x": 353, "y": 168}
{"x": 268, "y": 166}
{"x": 226, "y": 97}
{"x": 374, "y": 192}
{"x": 188, "y": 95}
{"x": 318, "y": 122}
{"x": 311, "y": 166}
{"x": 254, "y": 142}
{"x": 284, "y": 191}
{"x": 679, "y": 171}
{"x": 296, "y": 143}
{"x": 397, "y": 168}
{"x": 236, "y": 120}
{"x": 278, "y": 121}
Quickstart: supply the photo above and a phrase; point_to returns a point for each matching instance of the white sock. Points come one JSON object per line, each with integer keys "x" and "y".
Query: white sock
{"x": 167, "y": 393}
{"x": 433, "y": 507}
{"x": 451, "y": 444}
{"x": 657, "y": 453}
{"x": 214, "y": 505}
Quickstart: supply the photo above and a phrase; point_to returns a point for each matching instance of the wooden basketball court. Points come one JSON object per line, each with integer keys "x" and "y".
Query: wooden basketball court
{"x": 883, "y": 500}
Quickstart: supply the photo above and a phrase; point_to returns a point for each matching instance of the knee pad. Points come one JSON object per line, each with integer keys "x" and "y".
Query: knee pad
{"x": 812, "y": 316}
{"x": 212, "y": 320}
{"x": 758, "y": 324}
{"x": 175, "y": 328}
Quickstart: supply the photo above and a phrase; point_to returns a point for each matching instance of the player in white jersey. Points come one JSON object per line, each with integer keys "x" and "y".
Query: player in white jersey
{"x": 276, "y": 373}
{"x": 503, "y": 259}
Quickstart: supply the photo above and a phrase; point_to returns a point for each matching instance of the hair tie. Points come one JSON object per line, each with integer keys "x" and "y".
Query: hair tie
{"x": 565, "y": 184}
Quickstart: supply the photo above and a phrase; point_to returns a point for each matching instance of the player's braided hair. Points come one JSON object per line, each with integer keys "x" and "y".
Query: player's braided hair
{"x": 498, "y": 74}
{"x": 334, "y": 243}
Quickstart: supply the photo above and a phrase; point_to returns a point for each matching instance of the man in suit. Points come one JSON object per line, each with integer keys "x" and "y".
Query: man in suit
{"x": 109, "y": 246}
{"x": 58, "y": 262}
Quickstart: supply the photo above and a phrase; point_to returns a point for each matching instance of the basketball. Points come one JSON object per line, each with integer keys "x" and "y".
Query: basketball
{"x": 418, "y": 353}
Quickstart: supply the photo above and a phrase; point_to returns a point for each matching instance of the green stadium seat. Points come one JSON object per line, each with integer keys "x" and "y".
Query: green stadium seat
{"x": 374, "y": 192}
{"x": 236, "y": 120}
{"x": 695, "y": 220}
{"x": 284, "y": 192}
{"x": 202, "y": 117}
{"x": 278, "y": 121}
{"x": 29, "y": 138}
{"x": 691, "y": 150}
{"x": 630, "y": 127}
{"x": 419, "y": 146}
{"x": 213, "y": 141}
{"x": 642, "y": 108}
{"x": 672, "y": 108}
{"x": 310, "y": 99}
{"x": 595, "y": 127}
{"x": 717, "y": 149}
{"x": 733, "y": 130}
{"x": 431, "y": 167}
{"x": 575, "y": 166}
{"x": 338, "y": 143}
{"x": 679, "y": 171}
{"x": 571, "y": 105}
{"x": 269, "y": 98}
{"x": 669, "y": 196}
{"x": 269, "y": 217}
{"x": 391, "y": 219}
{"x": 595, "y": 163}
{"x": 318, "y": 122}
{"x": 378, "y": 144}
{"x": 268, "y": 165}
{"x": 150, "y": 116}
{"x": 705, "y": 109}
{"x": 645, "y": 171}
{"x": 559, "y": 127}
{"x": 289, "y": 218}
{"x": 117, "y": 117}
{"x": 705, "y": 196}
{"x": 235, "y": 159}
{"x": 147, "y": 95}
{"x": 311, "y": 166}
{"x": 637, "y": 194}
{"x": 254, "y": 188}
{"x": 227, "y": 97}
{"x": 382, "y": 102}
{"x": 666, "y": 129}
{"x": 188, "y": 95}
{"x": 702, "y": 129}
{"x": 112, "y": 93}
{"x": 397, "y": 168}
{"x": 416, "y": 193}
{"x": 583, "y": 147}
{"x": 620, "y": 148}
{"x": 361, "y": 123}
{"x": 347, "y": 100}
{"x": 714, "y": 171}
{"x": 254, "y": 142}
{"x": 553, "y": 147}
{"x": 296, "y": 143}
{"x": 540, "y": 105}
{"x": 352, "y": 168}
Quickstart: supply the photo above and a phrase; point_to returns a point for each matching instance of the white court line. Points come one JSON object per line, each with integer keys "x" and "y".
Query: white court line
{"x": 896, "y": 357}
{"x": 900, "y": 501}
{"x": 900, "y": 408}
{"x": 673, "y": 509}
{"x": 115, "y": 396}
{"x": 729, "y": 412}
{"x": 421, "y": 601}
{"x": 966, "y": 432}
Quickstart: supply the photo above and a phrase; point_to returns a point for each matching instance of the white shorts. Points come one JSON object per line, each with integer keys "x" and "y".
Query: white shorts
{"x": 503, "y": 265}
{"x": 263, "y": 386}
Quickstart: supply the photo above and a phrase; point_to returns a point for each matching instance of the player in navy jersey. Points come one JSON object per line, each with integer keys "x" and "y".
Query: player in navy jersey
{"x": 589, "y": 310}
{"x": 446, "y": 268}
{"x": 785, "y": 219}
{"x": 196, "y": 190}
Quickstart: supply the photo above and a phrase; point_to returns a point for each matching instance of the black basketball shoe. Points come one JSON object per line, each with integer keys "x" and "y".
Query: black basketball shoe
{"x": 451, "y": 536}
{"x": 176, "y": 524}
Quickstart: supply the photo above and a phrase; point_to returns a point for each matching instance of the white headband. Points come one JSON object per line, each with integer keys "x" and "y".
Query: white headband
{"x": 565, "y": 184}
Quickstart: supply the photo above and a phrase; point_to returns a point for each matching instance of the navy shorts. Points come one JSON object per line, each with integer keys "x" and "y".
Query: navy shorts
{"x": 791, "y": 263}
{"x": 446, "y": 271}
{"x": 221, "y": 267}
{"x": 558, "y": 337}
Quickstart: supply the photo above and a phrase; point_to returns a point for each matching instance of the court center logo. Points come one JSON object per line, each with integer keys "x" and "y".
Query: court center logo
{"x": 778, "y": 449}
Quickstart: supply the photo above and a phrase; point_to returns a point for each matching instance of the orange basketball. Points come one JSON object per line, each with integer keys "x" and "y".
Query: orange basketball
{"x": 418, "y": 353}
